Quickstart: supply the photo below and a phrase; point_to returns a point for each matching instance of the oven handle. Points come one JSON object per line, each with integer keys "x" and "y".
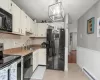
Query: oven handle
{"x": 8, "y": 74}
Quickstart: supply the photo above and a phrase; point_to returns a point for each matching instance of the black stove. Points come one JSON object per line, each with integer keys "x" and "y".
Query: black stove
{"x": 6, "y": 59}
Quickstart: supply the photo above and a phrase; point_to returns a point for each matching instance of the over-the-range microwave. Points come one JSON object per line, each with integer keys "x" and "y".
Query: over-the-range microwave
{"x": 5, "y": 21}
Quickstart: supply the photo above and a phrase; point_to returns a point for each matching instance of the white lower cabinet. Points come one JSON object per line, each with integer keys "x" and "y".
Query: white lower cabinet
{"x": 35, "y": 60}
{"x": 39, "y": 58}
{"x": 42, "y": 57}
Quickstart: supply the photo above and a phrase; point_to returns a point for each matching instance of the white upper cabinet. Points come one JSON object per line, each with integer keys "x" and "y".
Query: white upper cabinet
{"x": 29, "y": 25}
{"x": 23, "y": 23}
{"x": 16, "y": 12}
{"x": 6, "y": 5}
{"x": 34, "y": 29}
{"x": 42, "y": 29}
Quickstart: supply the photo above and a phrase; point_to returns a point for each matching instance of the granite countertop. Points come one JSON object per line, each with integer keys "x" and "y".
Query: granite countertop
{"x": 8, "y": 59}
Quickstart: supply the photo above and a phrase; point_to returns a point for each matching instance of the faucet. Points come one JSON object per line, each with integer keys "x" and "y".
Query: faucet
{"x": 26, "y": 45}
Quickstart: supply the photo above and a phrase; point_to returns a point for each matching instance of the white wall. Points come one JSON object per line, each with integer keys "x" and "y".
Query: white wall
{"x": 90, "y": 60}
{"x": 88, "y": 52}
{"x": 73, "y": 27}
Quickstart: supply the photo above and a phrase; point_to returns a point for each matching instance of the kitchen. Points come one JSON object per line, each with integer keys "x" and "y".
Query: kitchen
{"x": 21, "y": 38}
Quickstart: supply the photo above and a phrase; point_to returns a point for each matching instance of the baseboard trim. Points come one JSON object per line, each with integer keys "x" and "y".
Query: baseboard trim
{"x": 87, "y": 72}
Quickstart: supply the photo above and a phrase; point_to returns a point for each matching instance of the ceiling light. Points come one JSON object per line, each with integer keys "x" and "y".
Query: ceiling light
{"x": 56, "y": 12}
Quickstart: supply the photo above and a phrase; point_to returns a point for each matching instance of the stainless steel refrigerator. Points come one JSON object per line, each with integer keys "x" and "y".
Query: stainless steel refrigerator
{"x": 55, "y": 49}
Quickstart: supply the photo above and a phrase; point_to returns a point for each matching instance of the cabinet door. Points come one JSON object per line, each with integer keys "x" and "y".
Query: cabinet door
{"x": 37, "y": 58}
{"x": 34, "y": 61}
{"x": 28, "y": 24}
{"x": 23, "y": 23}
{"x": 16, "y": 18}
{"x": 31, "y": 26}
{"x": 13, "y": 71}
{"x": 36, "y": 30}
{"x": 6, "y": 5}
{"x": 42, "y": 28}
{"x": 42, "y": 56}
{"x": 4, "y": 74}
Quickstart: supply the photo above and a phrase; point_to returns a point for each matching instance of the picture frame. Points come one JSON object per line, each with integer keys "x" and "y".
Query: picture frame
{"x": 90, "y": 25}
{"x": 98, "y": 27}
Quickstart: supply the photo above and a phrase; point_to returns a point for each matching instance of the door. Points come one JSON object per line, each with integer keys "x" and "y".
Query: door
{"x": 72, "y": 48}
{"x": 55, "y": 50}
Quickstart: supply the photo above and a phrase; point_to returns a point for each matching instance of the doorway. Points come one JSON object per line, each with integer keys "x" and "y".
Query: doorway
{"x": 72, "y": 47}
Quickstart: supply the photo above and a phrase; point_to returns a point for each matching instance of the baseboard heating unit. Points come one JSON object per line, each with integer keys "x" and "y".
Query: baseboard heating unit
{"x": 88, "y": 74}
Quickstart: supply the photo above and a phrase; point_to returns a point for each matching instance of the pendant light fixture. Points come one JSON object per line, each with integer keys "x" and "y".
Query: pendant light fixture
{"x": 56, "y": 12}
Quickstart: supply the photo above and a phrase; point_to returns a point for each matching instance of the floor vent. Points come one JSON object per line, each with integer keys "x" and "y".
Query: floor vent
{"x": 88, "y": 74}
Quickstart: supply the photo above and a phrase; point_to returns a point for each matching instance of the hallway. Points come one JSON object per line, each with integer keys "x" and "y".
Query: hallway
{"x": 74, "y": 73}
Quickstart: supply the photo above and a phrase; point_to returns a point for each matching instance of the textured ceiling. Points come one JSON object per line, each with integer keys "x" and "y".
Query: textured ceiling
{"x": 38, "y": 9}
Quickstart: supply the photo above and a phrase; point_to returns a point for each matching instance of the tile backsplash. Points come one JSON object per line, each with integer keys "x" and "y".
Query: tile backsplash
{"x": 13, "y": 41}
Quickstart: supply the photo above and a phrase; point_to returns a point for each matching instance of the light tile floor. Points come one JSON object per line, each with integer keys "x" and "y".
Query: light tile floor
{"x": 74, "y": 73}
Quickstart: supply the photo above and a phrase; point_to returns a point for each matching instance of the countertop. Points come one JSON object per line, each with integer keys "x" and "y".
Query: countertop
{"x": 11, "y": 55}
{"x": 18, "y": 51}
